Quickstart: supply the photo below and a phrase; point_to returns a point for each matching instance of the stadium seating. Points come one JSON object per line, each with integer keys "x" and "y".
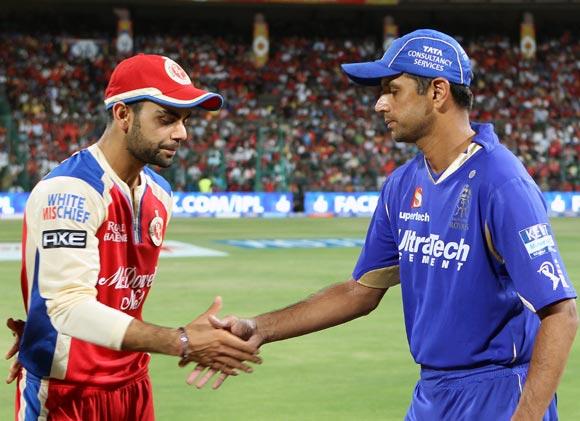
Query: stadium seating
{"x": 295, "y": 124}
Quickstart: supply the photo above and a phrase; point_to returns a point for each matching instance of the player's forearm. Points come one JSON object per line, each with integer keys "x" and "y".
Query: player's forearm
{"x": 94, "y": 322}
{"x": 81, "y": 316}
{"x": 551, "y": 349}
{"x": 329, "y": 307}
{"x": 146, "y": 337}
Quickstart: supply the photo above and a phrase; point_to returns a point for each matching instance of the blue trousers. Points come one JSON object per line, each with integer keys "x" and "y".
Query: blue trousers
{"x": 489, "y": 393}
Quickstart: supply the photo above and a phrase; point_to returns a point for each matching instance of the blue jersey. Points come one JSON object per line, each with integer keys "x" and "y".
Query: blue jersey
{"x": 475, "y": 254}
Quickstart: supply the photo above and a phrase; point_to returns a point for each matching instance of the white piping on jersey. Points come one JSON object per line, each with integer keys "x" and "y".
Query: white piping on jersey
{"x": 158, "y": 191}
{"x": 490, "y": 246}
{"x": 136, "y": 208}
{"x": 527, "y": 303}
{"x": 515, "y": 353}
{"x": 456, "y": 164}
{"x": 21, "y": 387}
{"x": 42, "y": 396}
{"x": 520, "y": 383}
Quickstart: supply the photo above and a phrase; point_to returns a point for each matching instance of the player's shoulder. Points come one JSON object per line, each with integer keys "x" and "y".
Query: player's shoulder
{"x": 497, "y": 162}
{"x": 79, "y": 169}
{"x": 158, "y": 180}
{"x": 409, "y": 167}
{"x": 503, "y": 166}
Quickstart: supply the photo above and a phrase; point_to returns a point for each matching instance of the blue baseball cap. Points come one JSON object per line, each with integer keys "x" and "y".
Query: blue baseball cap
{"x": 424, "y": 52}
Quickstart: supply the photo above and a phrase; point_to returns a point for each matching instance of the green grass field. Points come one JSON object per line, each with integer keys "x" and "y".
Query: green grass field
{"x": 361, "y": 370}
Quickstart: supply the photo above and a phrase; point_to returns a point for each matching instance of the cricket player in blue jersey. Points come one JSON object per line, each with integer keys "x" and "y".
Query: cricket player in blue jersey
{"x": 489, "y": 309}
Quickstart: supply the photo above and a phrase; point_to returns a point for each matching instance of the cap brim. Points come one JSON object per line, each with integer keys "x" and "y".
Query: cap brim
{"x": 191, "y": 96}
{"x": 368, "y": 73}
{"x": 188, "y": 97}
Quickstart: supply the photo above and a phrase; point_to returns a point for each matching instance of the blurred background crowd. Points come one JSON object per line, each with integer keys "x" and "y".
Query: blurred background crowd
{"x": 295, "y": 124}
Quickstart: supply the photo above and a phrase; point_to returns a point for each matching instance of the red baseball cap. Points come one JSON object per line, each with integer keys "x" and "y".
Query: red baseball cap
{"x": 158, "y": 79}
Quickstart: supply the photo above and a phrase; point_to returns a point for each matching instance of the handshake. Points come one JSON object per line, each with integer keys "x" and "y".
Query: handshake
{"x": 230, "y": 343}
{"x": 218, "y": 347}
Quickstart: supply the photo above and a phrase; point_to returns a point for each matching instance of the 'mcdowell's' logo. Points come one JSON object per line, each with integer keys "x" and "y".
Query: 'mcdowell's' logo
{"x": 128, "y": 277}
{"x": 433, "y": 251}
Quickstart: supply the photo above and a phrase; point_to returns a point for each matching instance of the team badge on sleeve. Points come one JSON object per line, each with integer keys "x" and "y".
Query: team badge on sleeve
{"x": 553, "y": 273}
{"x": 156, "y": 230}
{"x": 538, "y": 240}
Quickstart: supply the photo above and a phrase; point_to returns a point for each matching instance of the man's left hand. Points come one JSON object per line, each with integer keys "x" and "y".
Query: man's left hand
{"x": 17, "y": 328}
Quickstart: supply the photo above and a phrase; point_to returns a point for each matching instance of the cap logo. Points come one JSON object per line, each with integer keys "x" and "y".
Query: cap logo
{"x": 431, "y": 57}
{"x": 176, "y": 73}
{"x": 433, "y": 50}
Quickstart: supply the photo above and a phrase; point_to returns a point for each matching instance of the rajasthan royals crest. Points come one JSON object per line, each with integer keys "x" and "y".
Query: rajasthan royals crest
{"x": 461, "y": 212}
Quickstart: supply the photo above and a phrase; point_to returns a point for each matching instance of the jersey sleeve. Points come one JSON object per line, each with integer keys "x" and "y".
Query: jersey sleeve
{"x": 521, "y": 237}
{"x": 378, "y": 263}
{"x": 63, "y": 215}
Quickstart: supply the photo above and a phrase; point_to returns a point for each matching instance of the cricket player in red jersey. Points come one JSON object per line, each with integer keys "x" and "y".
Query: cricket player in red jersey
{"x": 93, "y": 230}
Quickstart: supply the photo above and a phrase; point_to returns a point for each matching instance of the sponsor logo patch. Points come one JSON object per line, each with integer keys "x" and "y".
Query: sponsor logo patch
{"x": 128, "y": 278}
{"x": 72, "y": 239}
{"x": 538, "y": 240}
{"x": 414, "y": 216}
{"x": 417, "y": 201}
{"x": 116, "y": 233}
{"x": 65, "y": 206}
{"x": 432, "y": 250}
{"x": 430, "y": 58}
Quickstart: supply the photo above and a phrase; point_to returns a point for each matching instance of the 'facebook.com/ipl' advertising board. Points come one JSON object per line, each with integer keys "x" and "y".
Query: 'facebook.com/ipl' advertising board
{"x": 363, "y": 204}
{"x": 281, "y": 204}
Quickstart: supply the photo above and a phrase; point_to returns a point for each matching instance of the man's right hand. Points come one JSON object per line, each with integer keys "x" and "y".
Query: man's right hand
{"x": 212, "y": 344}
{"x": 17, "y": 328}
{"x": 245, "y": 329}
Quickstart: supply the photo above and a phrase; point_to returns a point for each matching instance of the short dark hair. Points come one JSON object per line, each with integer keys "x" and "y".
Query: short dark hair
{"x": 461, "y": 94}
{"x": 134, "y": 106}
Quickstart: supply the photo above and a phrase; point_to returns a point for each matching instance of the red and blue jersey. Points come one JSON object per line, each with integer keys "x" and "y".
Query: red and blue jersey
{"x": 474, "y": 253}
{"x": 90, "y": 253}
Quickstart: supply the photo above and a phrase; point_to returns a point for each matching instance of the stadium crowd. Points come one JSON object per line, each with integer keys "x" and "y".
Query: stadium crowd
{"x": 296, "y": 123}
